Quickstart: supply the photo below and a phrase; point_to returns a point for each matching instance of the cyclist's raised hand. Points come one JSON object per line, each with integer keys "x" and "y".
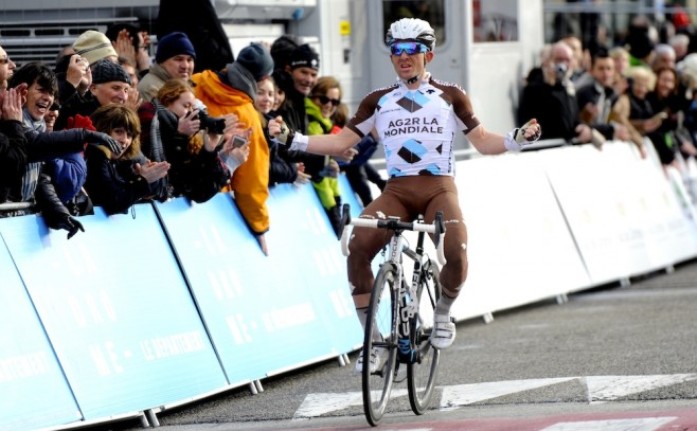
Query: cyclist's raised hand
{"x": 527, "y": 134}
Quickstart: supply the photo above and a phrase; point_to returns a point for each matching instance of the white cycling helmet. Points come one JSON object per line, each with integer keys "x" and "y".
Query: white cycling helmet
{"x": 412, "y": 29}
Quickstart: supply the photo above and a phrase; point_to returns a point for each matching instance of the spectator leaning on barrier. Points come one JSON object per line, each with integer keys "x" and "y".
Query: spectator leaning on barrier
{"x": 668, "y": 138}
{"x": 35, "y": 187}
{"x": 552, "y": 100}
{"x": 175, "y": 58}
{"x": 117, "y": 179}
{"x": 197, "y": 170}
{"x": 633, "y": 109}
{"x": 66, "y": 173}
{"x": 595, "y": 100}
{"x": 233, "y": 91}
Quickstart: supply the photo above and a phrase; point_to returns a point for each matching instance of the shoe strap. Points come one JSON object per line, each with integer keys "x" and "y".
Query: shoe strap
{"x": 441, "y": 318}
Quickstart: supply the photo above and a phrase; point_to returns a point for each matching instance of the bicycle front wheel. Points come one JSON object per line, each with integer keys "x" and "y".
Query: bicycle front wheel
{"x": 380, "y": 335}
{"x": 421, "y": 374}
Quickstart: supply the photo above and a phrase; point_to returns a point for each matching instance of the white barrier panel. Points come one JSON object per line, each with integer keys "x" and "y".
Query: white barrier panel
{"x": 650, "y": 200}
{"x": 519, "y": 247}
{"x": 607, "y": 197}
{"x": 583, "y": 181}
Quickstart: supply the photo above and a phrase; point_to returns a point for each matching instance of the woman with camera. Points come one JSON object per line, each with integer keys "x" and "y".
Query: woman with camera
{"x": 199, "y": 148}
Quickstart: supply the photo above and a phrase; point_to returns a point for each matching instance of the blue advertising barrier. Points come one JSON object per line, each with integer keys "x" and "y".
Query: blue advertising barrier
{"x": 117, "y": 312}
{"x": 349, "y": 197}
{"x": 33, "y": 390}
{"x": 258, "y": 318}
{"x": 319, "y": 270}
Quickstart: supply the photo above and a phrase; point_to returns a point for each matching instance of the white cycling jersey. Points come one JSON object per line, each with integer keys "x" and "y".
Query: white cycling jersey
{"x": 416, "y": 127}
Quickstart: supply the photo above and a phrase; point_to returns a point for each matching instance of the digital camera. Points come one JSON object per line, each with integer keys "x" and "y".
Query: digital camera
{"x": 560, "y": 70}
{"x": 212, "y": 124}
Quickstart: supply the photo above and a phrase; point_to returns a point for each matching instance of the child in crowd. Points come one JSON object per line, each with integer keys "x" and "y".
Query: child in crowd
{"x": 115, "y": 181}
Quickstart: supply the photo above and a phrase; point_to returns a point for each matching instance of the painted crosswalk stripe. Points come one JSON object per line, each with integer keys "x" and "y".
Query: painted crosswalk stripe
{"x": 639, "y": 424}
{"x": 461, "y": 395}
{"x": 598, "y": 389}
{"x": 608, "y": 388}
{"x": 318, "y": 404}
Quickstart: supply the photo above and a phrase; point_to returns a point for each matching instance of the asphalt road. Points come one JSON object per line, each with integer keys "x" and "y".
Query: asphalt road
{"x": 614, "y": 358}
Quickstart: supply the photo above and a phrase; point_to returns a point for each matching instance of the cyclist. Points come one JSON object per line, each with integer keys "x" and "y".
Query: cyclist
{"x": 416, "y": 120}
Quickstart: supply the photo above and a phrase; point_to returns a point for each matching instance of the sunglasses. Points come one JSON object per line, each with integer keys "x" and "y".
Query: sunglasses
{"x": 411, "y": 48}
{"x": 323, "y": 100}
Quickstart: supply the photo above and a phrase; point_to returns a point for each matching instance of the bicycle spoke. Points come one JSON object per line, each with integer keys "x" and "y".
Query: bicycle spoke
{"x": 380, "y": 326}
{"x": 422, "y": 373}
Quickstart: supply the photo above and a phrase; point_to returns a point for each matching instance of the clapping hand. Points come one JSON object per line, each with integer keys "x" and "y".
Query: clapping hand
{"x": 152, "y": 171}
{"x": 11, "y": 101}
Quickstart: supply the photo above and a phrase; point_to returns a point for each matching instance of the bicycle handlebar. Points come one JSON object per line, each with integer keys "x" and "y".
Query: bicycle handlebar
{"x": 437, "y": 228}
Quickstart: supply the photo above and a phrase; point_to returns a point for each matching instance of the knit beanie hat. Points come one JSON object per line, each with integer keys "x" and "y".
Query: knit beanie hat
{"x": 257, "y": 60}
{"x": 172, "y": 44}
{"x": 106, "y": 71}
{"x": 304, "y": 56}
{"x": 281, "y": 49}
{"x": 94, "y": 46}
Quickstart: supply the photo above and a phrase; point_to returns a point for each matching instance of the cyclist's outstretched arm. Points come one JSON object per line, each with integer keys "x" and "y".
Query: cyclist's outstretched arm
{"x": 339, "y": 145}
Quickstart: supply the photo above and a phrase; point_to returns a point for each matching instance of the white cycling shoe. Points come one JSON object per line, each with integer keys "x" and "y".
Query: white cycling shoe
{"x": 378, "y": 357}
{"x": 443, "y": 333}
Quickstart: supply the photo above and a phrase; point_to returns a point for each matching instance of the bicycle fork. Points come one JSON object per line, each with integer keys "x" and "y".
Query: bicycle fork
{"x": 408, "y": 303}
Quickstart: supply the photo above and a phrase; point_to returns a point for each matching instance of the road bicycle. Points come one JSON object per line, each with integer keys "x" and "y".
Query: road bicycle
{"x": 400, "y": 315}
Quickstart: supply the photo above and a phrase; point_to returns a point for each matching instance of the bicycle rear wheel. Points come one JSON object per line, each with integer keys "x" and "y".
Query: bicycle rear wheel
{"x": 421, "y": 374}
{"x": 380, "y": 330}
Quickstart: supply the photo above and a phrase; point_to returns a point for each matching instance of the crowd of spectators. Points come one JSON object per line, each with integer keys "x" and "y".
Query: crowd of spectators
{"x": 640, "y": 89}
{"x": 115, "y": 122}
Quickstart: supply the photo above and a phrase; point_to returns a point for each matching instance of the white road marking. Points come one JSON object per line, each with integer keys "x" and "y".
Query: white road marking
{"x": 599, "y": 389}
{"x": 460, "y": 395}
{"x": 640, "y": 424}
{"x": 608, "y": 388}
{"x": 318, "y": 404}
